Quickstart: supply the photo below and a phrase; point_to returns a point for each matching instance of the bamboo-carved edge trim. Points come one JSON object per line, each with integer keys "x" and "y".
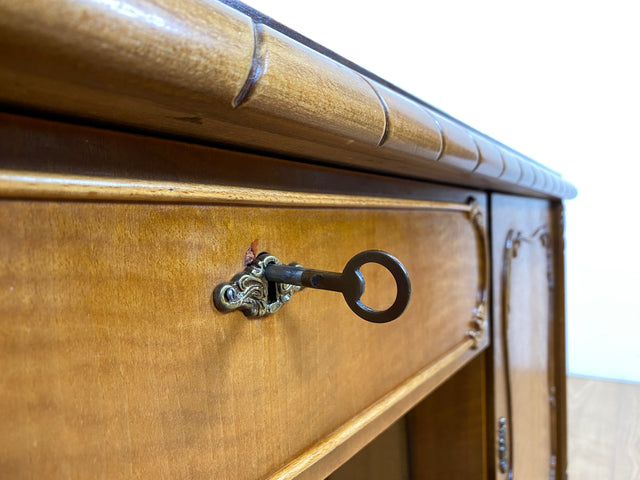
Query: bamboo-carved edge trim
{"x": 550, "y": 183}
{"x": 20, "y": 184}
{"x": 513, "y": 242}
{"x": 176, "y": 86}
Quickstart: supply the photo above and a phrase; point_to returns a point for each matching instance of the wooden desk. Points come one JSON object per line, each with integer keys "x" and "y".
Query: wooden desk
{"x": 147, "y": 147}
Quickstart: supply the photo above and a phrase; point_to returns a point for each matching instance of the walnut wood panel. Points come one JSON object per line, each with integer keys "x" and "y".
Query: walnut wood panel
{"x": 528, "y": 369}
{"x": 447, "y": 430}
{"x": 115, "y": 363}
{"x": 209, "y": 72}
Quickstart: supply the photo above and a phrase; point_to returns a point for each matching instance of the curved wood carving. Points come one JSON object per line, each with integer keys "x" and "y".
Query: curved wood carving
{"x": 478, "y": 321}
{"x": 514, "y": 241}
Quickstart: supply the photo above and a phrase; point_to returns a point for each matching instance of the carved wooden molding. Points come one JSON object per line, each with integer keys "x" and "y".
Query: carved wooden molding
{"x": 479, "y": 318}
{"x": 242, "y": 83}
{"x": 514, "y": 241}
{"x": 26, "y": 184}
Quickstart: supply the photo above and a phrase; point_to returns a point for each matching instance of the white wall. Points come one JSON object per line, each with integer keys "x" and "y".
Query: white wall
{"x": 558, "y": 81}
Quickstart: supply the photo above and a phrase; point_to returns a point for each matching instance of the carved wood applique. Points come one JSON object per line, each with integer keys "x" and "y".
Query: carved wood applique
{"x": 514, "y": 242}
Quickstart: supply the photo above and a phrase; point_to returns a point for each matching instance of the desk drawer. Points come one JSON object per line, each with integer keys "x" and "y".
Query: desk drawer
{"x": 116, "y": 364}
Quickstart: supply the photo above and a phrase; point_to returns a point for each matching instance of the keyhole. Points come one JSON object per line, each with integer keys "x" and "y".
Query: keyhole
{"x": 271, "y": 292}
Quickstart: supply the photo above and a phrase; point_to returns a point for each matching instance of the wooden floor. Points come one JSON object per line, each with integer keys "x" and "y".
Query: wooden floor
{"x": 604, "y": 430}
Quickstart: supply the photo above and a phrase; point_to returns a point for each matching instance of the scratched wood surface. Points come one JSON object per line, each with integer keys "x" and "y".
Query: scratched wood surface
{"x": 203, "y": 70}
{"x": 116, "y": 365}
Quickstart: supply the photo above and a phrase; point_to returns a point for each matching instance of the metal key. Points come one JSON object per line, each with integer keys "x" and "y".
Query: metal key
{"x": 350, "y": 283}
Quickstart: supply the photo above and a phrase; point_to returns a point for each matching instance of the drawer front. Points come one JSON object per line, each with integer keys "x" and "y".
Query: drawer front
{"x": 115, "y": 362}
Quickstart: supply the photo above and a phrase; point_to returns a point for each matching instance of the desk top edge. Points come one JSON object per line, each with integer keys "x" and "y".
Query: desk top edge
{"x": 210, "y": 72}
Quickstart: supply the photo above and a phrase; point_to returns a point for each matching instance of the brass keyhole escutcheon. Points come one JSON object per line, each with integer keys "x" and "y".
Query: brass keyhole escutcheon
{"x": 266, "y": 285}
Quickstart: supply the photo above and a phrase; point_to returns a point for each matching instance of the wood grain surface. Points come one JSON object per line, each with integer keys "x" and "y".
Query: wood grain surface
{"x": 530, "y": 380}
{"x": 604, "y": 429}
{"x": 51, "y": 147}
{"x": 442, "y": 436}
{"x": 62, "y": 150}
{"x": 447, "y": 430}
{"x": 116, "y": 365}
{"x": 386, "y": 457}
{"x": 202, "y": 70}
{"x": 25, "y": 184}
{"x": 333, "y": 450}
